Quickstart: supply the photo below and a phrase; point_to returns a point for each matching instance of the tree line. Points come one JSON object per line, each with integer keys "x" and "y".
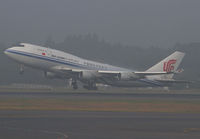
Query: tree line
{"x": 90, "y": 46}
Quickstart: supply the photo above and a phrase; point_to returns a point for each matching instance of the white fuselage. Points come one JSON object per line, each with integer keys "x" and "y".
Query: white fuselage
{"x": 46, "y": 58}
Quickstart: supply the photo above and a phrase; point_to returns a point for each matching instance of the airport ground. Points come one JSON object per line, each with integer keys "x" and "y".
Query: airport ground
{"x": 110, "y": 114}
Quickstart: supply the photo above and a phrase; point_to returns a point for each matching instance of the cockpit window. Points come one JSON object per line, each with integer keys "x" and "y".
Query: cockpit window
{"x": 20, "y": 45}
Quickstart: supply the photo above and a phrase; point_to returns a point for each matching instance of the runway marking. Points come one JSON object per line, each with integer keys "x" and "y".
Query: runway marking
{"x": 189, "y": 130}
{"x": 58, "y": 133}
{"x": 64, "y": 136}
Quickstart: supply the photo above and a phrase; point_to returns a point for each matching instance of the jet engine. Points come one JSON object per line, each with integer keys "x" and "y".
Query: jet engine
{"x": 128, "y": 76}
{"x": 89, "y": 74}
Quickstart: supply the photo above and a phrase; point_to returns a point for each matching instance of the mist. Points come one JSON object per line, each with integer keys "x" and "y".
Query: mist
{"x": 132, "y": 34}
{"x": 132, "y": 22}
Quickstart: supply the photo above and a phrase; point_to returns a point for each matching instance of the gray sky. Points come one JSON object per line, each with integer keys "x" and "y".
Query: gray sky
{"x": 132, "y": 22}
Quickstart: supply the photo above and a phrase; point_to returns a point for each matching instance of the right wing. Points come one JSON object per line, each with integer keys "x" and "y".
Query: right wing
{"x": 107, "y": 74}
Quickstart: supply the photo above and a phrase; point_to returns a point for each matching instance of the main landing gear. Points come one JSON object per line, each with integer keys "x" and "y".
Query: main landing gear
{"x": 91, "y": 86}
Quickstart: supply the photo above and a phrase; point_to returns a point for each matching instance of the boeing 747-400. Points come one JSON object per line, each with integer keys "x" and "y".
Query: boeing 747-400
{"x": 59, "y": 64}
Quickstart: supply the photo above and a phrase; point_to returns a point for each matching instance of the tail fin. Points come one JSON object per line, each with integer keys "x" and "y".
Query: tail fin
{"x": 169, "y": 64}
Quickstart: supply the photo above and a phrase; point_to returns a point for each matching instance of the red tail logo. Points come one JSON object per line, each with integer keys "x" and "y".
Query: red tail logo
{"x": 169, "y": 65}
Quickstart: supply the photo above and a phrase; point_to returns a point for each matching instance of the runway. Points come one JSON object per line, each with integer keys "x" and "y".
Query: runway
{"x": 99, "y": 115}
{"x": 97, "y": 125}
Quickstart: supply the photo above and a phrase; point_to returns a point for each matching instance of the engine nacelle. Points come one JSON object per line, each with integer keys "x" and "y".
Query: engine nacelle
{"x": 89, "y": 74}
{"x": 128, "y": 76}
{"x": 51, "y": 75}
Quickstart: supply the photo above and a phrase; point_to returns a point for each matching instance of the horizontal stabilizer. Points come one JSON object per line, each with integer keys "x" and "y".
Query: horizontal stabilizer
{"x": 174, "y": 81}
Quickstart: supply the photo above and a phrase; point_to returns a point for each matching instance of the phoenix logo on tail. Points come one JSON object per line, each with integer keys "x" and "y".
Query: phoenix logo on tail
{"x": 169, "y": 65}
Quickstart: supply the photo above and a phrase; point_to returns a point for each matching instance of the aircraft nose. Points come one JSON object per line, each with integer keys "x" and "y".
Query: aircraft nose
{"x": 6, "y": 51}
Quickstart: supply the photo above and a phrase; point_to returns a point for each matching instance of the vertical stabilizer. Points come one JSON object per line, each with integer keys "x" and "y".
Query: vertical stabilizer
{"x": 169, "y": 64}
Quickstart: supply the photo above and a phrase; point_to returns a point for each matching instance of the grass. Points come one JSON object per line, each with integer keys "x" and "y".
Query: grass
{"x": 119, "y": 105}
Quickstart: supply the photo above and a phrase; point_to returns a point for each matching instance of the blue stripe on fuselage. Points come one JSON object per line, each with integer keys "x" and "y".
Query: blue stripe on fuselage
{"x": 47, "y": 58}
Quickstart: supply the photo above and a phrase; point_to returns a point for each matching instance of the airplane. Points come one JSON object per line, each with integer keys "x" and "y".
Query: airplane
{"x": 62, "y": 65}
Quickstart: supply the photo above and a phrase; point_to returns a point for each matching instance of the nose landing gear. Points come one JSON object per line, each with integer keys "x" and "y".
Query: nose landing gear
{"x": 21, "y": 70}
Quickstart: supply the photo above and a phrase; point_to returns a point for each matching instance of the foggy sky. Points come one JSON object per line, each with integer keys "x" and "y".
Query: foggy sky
{"x": 134, "y": 22}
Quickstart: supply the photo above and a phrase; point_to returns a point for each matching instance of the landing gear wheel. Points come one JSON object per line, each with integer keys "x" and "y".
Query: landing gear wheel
{"x": 90, "y": 86}
{"x": 74, "y": 85}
